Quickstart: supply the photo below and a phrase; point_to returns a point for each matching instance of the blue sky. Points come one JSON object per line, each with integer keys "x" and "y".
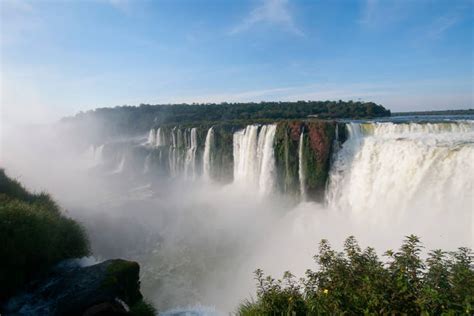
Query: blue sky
{"x": 60, "y": 57}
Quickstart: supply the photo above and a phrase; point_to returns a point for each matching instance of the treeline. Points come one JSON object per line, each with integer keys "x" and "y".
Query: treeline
{"x": 356, "y": 282}
{"x": 135, "y": 120}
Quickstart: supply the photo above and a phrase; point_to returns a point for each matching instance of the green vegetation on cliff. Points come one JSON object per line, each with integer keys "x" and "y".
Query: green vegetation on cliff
{"x": 317, "y": 153}
{"x": 222, "y": 158}
{"x": 318, "y": 138}
{"x": 286, "y": 158}
{"x": 35, "y": 235}
{"x": 356, "y": 282}
{"x": 127, "y": 120}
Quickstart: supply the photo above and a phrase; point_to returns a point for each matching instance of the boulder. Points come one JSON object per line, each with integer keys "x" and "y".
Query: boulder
{"x": 107, "y": 288}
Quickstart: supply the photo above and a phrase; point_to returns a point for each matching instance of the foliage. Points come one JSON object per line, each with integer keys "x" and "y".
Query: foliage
{"x": 124, "y": 274}
{"x": 35, "y": 236}
{"x": 357, "y": 282}
{"x": 132, "y": 120}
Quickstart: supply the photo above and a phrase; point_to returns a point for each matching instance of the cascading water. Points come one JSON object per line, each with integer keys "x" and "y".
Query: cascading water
{"x": 173, "y": 153}
{"x": 180, "y": 144}
{"x": 394, "y": 168}
{"x": 336, "y": 145}
{"x": 267, "y": 169}
{"x": 301, "y": 174}
{"x": 120, "y": 166}
{"x": 387, "y": 147}
{"x": 254, "y": 161}
{"x": 245, "y": 154}
{"x": 206, "y": 159}
{"x": 190, "y": 161}
{"x": 93, "y": 156}
{"x": 98, "y": 155}
{"x": 160, "y": 138}
{"x": 152, "y": 137}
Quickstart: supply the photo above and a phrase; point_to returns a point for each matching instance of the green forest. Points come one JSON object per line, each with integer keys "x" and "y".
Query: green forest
{"x": 133, "y": 120}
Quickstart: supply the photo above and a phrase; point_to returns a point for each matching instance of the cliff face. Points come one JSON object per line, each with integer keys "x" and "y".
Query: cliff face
{"x": 318, "y": 139}
{"x": 317, "y": 154}
{"x": 286, "y": 156}
{"x": 178, "y": 151}
{"x": 222, "y": 159}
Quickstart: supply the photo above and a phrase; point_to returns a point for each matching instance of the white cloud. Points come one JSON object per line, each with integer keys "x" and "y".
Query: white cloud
{"x": 442, "y": 24}
{"x": 274, "y": 12}
{"x": 120, "y": 5}
{"x": 375, "y": 13}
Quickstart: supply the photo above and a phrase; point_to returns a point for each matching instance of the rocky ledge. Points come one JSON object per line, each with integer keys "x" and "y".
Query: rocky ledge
{"x": 108, "y": 288}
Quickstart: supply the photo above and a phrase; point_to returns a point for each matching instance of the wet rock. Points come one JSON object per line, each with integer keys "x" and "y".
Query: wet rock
{"x": 107, "y": 288}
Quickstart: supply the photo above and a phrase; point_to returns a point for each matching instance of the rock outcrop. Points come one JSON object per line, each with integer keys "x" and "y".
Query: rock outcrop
{"x": 107, "y": 288}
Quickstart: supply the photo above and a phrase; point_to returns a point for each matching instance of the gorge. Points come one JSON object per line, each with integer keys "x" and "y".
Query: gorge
{"x": 201, "y": 206}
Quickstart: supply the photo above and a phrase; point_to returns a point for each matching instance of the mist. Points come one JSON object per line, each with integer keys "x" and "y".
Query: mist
{"x": 198, "y": 241}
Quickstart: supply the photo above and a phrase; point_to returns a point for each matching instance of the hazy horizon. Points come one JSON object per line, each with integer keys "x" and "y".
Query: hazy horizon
{"x": 60, "y": 58}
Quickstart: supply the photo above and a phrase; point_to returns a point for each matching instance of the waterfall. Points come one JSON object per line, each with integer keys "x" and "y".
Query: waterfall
{"x": 387, "y": 167}
{"x": 160, "y": 137}
{"x": 190, "y": 161}
{"x": 172, "y": 155}
{"x": 254, "y": 161}
{"x": 93, "y": 156}
{"x": 152, "y": 137}
{"x": 245, "y": 154}
{"x": 194, "y": 146}
{"x": 361, "y": 170}
{"x": 267, "y": 169}
{"x": 180, "y": 144}
{"x": 206, "y": 159}
{"x": 98, "y": 155}
{"x": 120, "y": 166}
{"x": 301, "y": 174}
{"x": 336, "y": 144}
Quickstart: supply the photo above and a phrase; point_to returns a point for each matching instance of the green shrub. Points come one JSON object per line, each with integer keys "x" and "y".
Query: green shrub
{"x": 356, "y": 282}
{"x": 34, "y": 234}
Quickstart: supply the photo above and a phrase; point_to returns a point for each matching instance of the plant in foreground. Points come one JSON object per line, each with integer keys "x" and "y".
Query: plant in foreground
{"x": 357, "y": 282}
